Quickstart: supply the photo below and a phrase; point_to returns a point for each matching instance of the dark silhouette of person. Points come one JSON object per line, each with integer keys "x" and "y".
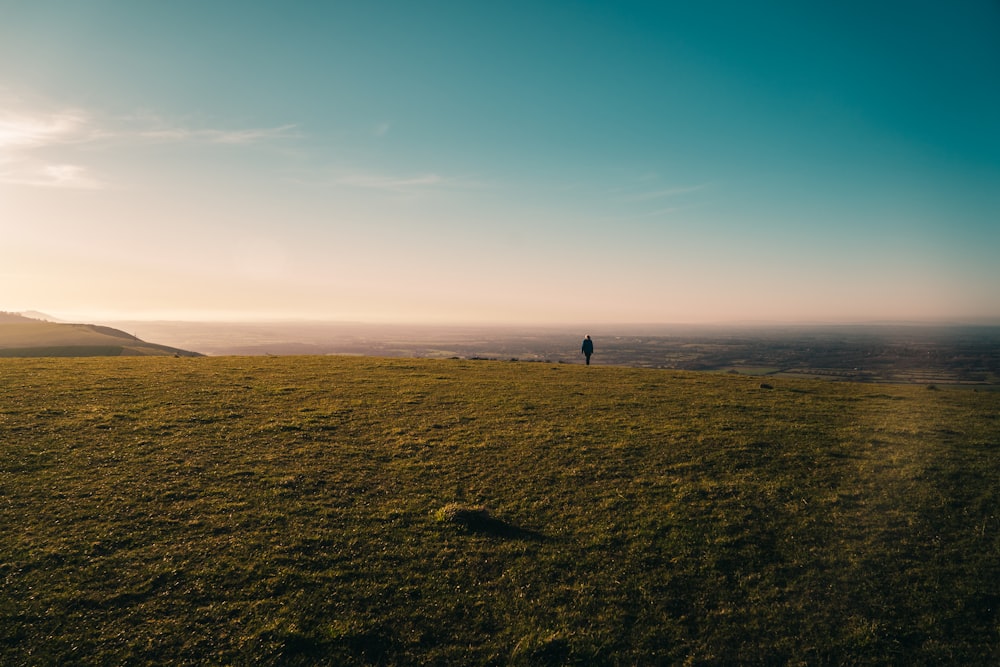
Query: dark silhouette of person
{"x": 588, "y": 348}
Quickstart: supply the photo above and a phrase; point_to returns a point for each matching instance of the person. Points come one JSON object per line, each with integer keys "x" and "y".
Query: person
{"x": 588, "y": 348}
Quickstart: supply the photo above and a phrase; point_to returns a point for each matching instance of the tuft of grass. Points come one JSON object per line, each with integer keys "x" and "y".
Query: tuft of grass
{"x": 464, "y": 515}
{"x": 333, "y": 510}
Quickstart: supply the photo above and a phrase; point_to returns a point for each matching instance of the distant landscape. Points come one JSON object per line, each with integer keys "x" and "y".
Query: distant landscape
{"x": 917, "y": 354}
{"x": 874, "y": 353}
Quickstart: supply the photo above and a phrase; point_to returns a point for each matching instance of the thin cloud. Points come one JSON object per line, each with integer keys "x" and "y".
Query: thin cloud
{"x": 254, "y": 135}
{"x": 33, "y": 145}
{"x": 216, "y": 136}
{"x": 667, "y": 211}
{"x": 660, "y": 212}
{"x": 24, "y": 132}
{"x": 383, "y": 182}
{"x": 400, "y": 184}
{"x": 664, "y": 193}
{"x": 25, "y": 139}
{"x": 71, "y": 176}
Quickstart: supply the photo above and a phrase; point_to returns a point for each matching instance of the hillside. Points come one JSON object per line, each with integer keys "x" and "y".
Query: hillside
{"x": 27, "y": 337}
{"x": 348, "y": 511}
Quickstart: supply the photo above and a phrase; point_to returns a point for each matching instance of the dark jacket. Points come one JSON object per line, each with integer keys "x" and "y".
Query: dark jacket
{"x": 588, "y": 347}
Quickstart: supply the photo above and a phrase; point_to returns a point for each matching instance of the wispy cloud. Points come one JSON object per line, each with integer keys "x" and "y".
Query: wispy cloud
{"x": 663, "y": 193}
{"x": 216, "y": 136}
{"x": 50, "y": 176}
{"x": 35, "y": 145}
{"x": 643, "y": 198}
{"x": 401, "y": 184}
{"x": 24, "y": 139}
{"x": 26, "y": 131}
{"x": 385, "y": 182}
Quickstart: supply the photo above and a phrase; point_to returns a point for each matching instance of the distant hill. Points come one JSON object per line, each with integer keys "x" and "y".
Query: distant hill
{"x": 35, "y": 315}
{"x": 13, "y": 317}
{"x": 22, "y": 336}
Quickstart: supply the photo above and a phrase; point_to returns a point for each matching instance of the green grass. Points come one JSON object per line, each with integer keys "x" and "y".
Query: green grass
{"x": 335, "y": 510}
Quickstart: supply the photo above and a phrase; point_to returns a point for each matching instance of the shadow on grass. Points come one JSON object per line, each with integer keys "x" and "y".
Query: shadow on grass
{"x": 478, "y": 520}
{"x": 369, "y": 647}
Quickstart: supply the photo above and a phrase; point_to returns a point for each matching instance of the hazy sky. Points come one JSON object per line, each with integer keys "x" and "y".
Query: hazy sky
{"x": 584, "y": 162}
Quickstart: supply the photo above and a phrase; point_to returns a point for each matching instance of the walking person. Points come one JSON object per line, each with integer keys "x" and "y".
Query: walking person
{"x": 588, "y": 348}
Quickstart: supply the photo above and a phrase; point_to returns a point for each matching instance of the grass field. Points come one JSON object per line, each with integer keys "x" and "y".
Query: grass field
{"x": 335, "y": 510}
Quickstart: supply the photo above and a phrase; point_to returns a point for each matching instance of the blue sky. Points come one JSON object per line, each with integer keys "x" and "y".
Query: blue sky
{"x": 586, "y": 162}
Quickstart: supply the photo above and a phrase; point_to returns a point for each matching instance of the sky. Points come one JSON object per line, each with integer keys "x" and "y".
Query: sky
{"x": 516, "y": 162}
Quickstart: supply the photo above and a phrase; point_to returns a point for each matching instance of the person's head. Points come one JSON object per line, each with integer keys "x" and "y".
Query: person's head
{"x": 587, "y": 336}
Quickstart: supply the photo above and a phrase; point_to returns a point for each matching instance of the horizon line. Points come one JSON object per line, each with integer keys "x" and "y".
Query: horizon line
{"x": 247, "y": 318}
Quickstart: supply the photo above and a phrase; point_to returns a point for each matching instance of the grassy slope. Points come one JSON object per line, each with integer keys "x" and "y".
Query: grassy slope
{"x": 286, "y": 510}
{"x": 40, "y": 339}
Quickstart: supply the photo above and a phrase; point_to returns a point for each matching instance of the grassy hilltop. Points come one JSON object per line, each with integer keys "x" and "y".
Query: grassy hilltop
{"x": 331, "y": 510}
{"x": 27, "y": 337}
